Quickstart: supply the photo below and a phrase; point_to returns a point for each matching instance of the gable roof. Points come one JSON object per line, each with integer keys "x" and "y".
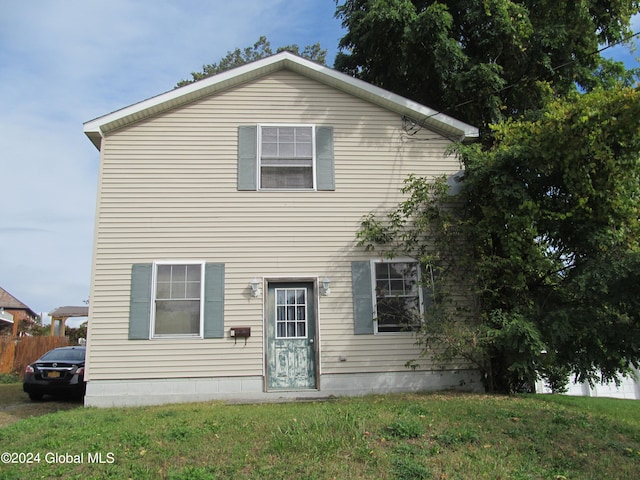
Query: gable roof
{"x": 9, "y": 302}
{"x": 429, "y": 118}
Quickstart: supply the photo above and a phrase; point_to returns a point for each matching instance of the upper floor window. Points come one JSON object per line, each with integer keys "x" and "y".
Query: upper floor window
{"x": 287, "y": 157}
{"x": 397, "y": 292}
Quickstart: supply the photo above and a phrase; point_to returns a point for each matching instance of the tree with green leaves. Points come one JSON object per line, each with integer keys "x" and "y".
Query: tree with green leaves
{"x": 482, "y": 60}
{"x": 547, "y": 227}
{"x": 260, "y": 49}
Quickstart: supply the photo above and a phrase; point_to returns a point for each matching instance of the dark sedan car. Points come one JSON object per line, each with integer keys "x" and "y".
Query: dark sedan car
{"x": 58, "y": 372}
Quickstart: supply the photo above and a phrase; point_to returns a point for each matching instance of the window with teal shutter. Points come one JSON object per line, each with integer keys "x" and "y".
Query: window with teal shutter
{"x": 397, "y": 294}
{"x": 178, "y": 300}
{"x": 283, "y": 157}
{"x": 389, "y": 291}
{"x": 187, "y": 300}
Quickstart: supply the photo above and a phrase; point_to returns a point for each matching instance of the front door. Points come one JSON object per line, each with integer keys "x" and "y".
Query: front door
{"x": 291, "y": 333}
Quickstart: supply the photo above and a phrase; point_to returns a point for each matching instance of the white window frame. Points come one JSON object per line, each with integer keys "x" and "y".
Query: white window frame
{"x": 313, "y": 156}
{"x": 375, "y": 296}
{"x": 154, "y": 284}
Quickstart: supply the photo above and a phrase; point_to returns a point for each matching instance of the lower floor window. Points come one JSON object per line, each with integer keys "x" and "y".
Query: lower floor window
{"x": 178, "y": 294}
{"x": 397, "y": 296}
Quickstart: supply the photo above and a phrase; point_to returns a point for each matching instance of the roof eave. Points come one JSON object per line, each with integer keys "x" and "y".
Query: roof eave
{"x": 441, "y": 123}
{"x": 426, "y": 116}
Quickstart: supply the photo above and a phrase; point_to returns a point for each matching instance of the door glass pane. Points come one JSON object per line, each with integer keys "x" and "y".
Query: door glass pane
{"x": 291, "y": 297}
{"x": 291, "y": 313}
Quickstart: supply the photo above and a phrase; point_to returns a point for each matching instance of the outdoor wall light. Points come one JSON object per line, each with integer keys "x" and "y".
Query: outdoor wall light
{"x": 326, "y": 286}
{"x": 255, "y": 288}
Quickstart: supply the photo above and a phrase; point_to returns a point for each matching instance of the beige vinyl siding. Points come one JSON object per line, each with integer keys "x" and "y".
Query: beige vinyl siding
{"x": 168, "y": 192}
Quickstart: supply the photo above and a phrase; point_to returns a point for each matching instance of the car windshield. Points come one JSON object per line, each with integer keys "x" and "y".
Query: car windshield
{"x": 64, "y": 355}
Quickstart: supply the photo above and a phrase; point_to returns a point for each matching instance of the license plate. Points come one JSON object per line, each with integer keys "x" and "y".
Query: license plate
{"x": 53, "y": 374}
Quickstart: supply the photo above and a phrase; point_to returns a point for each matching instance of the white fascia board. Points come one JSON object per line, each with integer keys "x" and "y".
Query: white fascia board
{"x": 359, "y": 88}
{"x": 95, "y": 129}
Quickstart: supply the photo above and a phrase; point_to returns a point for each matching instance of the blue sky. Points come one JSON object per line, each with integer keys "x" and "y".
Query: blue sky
{"x": 63, "y": 63}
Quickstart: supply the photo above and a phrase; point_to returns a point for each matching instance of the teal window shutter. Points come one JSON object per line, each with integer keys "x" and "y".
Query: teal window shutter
{"x": 214, "y": 300}
{"x": 427, "y": 290}
{"x": 247, "y": 157}
{"x": 140, "y": 304}
{"x": 324, "y": 159}
{"x": 362, "y": 298}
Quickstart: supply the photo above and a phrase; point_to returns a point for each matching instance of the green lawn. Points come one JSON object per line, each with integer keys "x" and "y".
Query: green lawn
{"x": 430, "y": 436}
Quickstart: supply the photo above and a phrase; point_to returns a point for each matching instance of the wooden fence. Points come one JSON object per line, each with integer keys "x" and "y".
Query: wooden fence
{"x": 17, "y": 353}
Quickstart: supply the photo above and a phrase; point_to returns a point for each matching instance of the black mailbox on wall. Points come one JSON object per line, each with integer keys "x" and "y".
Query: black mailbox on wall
{"x": 240, "y": 332}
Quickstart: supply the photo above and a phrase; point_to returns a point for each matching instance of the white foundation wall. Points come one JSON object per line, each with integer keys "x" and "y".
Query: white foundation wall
{"x": 128, "y": 393}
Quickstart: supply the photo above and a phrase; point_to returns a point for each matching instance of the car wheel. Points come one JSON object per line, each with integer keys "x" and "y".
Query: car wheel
{"x": 36, "y": 396}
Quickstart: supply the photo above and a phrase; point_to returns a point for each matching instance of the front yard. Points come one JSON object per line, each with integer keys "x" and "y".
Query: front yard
{"x": 430, "y": 436}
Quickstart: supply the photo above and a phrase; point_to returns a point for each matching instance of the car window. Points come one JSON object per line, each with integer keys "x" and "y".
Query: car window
{"x": 70, "y": 355}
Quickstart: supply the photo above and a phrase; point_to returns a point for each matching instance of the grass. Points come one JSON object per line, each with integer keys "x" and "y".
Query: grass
{"x": 429, "y": 436}
{"x": 6, "y": 378}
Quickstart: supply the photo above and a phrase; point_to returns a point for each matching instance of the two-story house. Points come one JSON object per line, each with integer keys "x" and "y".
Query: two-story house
{"x": 225, "y": 262}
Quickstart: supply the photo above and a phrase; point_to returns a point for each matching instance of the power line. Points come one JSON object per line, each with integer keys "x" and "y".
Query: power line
{"x": 597, "y": 52}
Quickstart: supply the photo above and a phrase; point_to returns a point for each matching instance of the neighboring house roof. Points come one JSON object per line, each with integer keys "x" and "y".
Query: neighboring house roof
{"x": 9, "y": 302}
{"x": 425, "y": 116}
{"x": 70, "y": 312}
